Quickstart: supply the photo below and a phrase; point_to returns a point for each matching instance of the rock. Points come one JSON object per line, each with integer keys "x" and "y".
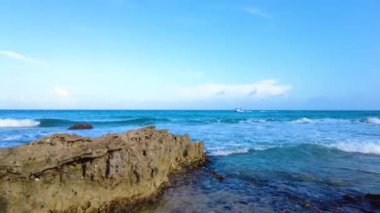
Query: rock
{"x": 308, "y": 205}
{"x": 373, "y": 199}
{"x": 81, "y": 126}
{"x": 80, "y": 174}
{"x": 216, "y": 175}
{"x": 352, "y": 198}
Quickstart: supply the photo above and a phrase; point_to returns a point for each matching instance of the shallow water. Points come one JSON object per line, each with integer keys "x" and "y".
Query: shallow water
{"x": 271, "y": 160}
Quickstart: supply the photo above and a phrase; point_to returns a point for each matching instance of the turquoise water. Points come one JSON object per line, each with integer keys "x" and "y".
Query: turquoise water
{"x": 271, "y": 160}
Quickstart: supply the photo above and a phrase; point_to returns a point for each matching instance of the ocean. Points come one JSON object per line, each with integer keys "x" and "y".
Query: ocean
{"x": 271, "y": 160}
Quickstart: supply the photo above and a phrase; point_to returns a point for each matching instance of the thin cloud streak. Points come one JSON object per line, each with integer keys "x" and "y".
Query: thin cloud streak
{"x": 259, "y": 90}
{"x": 258, "y": 12}
{"x": 20, "y": 57}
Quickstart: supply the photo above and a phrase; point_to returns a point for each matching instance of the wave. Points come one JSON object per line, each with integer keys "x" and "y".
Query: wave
{"x": 11, "y": 138}
{"x": 319, "y": 149}
{"x": 303, "y": 121}
{"x": 360, "y": 147}
{"x": 52, "y": 122}
{"x": 136, "y": 121}
{"x": 55, "y": 122}
{"x": 241, "y": 150}
{"x": 225, "y": 152}
{"x": 9, "y": 123}
{"x": 373, "y": 120}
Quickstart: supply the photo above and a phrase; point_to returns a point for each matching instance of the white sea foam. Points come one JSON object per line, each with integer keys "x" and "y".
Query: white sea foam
{"x": 231, "y": 151}
{"x": 18, "y": 123}
{"x": 225, "y": 152}
{"x": 11, "y": 138}
{"x": 362, "y": 147}
{"x": 303, "y": 121}
{"x": 373, "y": 120}
{"x": 321, "y": 121}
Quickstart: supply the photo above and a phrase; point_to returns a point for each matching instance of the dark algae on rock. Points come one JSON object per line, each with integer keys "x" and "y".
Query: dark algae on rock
{"x": 374, "y": 199}
{"x": 71, "y": 173}
{"x": 81, "y": 126}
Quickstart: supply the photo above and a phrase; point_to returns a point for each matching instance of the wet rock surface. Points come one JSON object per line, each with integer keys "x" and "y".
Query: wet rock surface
{"x": 71, "y": 173}
{"x": 374, "y": 199}
{"x": 216, "y": 175}
{"x": 81, "y": 126}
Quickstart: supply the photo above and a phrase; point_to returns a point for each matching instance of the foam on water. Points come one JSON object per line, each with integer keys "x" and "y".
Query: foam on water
{"x": 373, "y": 120}
{"x": 12, "y": 137}
{"x": 369, "y": 147}
{"x": 303, "y": 121}
{"x": 18, "y": 123}
{"x": 225, "y": 152}
{"x": 360, "y": 147}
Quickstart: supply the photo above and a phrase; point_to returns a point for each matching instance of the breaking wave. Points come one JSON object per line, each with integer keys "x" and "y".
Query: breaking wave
{"x": 225, "y": 152}
{"x": 321, "y": 120}
{"x": 321, "y": 148}
{"x": 9, "y": 123}
{"x": 303, "y": 121}
{"x": 361, "y": 147}
{"x": 373, "y": 120}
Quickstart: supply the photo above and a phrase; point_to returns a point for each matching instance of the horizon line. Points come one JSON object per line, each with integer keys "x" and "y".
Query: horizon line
{"x": 246, "y": 110}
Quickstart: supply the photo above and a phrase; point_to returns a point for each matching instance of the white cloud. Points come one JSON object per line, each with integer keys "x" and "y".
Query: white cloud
{"x": 20, "y": 57}
{"x": 258, "y": 12}
{"x": 61, "y": 92}
{"x": 269, "y": 88}
{"x": 260, "y": 90}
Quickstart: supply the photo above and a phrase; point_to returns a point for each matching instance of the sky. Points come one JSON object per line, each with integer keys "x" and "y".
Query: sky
{"x": 190, "y": 54}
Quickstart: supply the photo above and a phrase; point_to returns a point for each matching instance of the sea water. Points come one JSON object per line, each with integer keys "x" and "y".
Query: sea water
{"x": 271, "y": 160}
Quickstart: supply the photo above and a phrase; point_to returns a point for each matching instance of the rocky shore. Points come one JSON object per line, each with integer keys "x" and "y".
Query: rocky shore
{"x": 71, "y": 173}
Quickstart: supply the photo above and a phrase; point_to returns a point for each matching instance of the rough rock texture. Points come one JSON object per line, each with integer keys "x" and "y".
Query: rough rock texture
{"x": 70, "y": 173}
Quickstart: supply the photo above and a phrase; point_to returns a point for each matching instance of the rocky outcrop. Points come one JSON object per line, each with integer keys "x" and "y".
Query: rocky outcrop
{"x": 71, "y": 173}
{"x": 373, "y": 199}
{"x": 81, "y": 126}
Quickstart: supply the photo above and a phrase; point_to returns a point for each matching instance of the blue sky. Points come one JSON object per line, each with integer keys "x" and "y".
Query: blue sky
{"x": 190, "y": 54}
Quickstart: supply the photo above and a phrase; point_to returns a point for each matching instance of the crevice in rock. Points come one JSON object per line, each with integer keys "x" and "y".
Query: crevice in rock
{"x": 84, "y": 170}
{"x": 108, "y": 165}
{"x": 132, "y": 168}
{"x": 137, "y": 176}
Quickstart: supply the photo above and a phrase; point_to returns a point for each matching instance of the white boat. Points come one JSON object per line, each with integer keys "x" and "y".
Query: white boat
{"x": 239, "y": 110}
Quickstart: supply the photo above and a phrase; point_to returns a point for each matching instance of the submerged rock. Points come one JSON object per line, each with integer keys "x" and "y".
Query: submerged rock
{"x": 216, "y": 175}
{"x": 81, "y": 126}
{"x": 352, "y": 198}
{"x": 373, "y": 199}
{"x": 72, "y": 173}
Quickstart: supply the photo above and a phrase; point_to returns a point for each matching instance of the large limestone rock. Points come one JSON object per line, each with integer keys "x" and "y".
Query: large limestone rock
{"x": 70, "y": 173}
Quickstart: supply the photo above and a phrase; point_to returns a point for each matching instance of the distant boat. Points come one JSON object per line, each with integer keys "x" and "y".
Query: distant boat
{"x": 239, "y": 110}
